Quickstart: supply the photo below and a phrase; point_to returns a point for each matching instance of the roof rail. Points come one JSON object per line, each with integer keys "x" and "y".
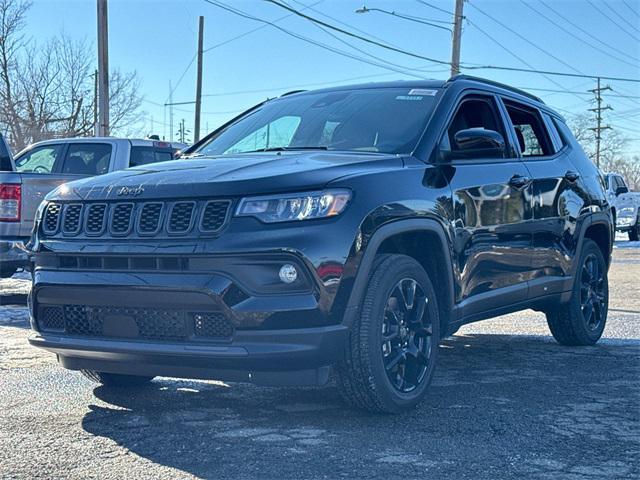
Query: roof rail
{"x": 292, "y": 92}
{"x": 495, "y": 84}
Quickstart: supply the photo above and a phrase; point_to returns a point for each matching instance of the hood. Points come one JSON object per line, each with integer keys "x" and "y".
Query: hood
{"x": 240, "y": 175}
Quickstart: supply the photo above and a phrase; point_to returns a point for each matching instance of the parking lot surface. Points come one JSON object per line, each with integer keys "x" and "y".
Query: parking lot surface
{"x": 506, "y": 402}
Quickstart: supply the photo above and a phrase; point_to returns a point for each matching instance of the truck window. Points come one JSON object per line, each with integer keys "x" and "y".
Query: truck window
{"x": 87, "y": 159}
{"x": 39, "y": 159}
{"x": 474, "y": 113}
{"x": 146, "y": 155}
{"x": 533, "y": 138}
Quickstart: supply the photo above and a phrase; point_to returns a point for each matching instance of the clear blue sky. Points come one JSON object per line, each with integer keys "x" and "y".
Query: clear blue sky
{"x": 158, "y": 39}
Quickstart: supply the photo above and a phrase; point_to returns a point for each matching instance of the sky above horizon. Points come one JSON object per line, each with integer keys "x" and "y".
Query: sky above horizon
{"x": 246, "y": 61}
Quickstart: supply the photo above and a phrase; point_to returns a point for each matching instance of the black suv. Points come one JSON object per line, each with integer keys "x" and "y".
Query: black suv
{"x": 346, "y": 229}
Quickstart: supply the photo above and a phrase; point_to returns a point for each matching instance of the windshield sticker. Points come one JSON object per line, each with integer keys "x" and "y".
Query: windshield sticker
{"x": 423, "y": 91}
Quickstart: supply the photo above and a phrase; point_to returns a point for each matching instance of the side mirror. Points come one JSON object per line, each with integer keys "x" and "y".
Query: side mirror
{"x": 620, "y": 190}
{"x": 478, "y": 143}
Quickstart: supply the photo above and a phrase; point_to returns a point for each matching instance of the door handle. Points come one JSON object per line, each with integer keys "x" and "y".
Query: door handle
{"x": 571, "y": 175}
{"x": 519, "y": 181}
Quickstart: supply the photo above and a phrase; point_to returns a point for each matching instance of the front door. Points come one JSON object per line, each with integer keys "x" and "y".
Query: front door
{"x": 491, "y": 198}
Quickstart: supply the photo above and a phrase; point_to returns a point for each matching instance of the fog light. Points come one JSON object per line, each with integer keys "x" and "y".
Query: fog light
{"x": 288, "y": 273}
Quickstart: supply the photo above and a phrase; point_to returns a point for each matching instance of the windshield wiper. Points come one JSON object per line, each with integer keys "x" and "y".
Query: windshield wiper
{"x": 285, "y": 149}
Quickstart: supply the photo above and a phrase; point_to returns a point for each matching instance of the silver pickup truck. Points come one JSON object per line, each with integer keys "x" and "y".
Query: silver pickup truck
{"x": 35, "y": 171}
{"x": 625, "y": 205}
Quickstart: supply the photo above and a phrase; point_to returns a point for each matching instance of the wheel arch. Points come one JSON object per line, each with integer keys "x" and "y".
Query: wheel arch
{"x": 424, "y": 240}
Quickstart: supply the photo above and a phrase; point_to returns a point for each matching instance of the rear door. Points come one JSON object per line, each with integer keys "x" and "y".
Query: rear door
{"x": 557, "y": 193}
{"x": 492, "y": 213}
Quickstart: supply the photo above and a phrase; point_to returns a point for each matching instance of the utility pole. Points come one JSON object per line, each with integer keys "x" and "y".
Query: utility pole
{"x": 103, "y": 68}
{"x": 196, "y": 127}
{"x": 96, "y": 128}
{"x": 170, "y": 111}
{"x": 598, "y": 111}
{"x": 457, "y": 38}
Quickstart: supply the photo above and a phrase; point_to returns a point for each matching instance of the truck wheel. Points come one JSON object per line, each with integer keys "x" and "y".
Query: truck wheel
{"x": 393, "y": 345}
{"x": 115, "y": 379}
{"x": 634, "y": 233}
{"x": 7, "y": 272}
{"x": 581, "y": 321}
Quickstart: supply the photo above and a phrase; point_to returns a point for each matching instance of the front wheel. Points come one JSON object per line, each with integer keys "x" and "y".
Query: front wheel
{"x": 634, "y": 233}
{"x": 392, "y": 349}
{"x": 115, "y": 379}
{"x": 581, "y": 321}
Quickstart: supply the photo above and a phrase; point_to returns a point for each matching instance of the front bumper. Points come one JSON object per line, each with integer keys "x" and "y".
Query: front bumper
{"x": 276, "y": 339}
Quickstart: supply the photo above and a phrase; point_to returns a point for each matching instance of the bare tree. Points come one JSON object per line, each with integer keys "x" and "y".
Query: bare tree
{"x": 47, "y": 89}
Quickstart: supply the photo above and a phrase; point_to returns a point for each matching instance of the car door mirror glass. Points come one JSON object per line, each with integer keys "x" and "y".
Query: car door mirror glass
{"x": 478, "y": 143}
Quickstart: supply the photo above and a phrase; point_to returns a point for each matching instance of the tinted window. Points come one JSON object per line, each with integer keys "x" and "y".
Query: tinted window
{"x": 388, "y": 120}
{"x": 87, "y": 159}
{"x": 533, "y": 138}
{"x": 39, "y": 159}
{"x": 146, "y": 155}
{"x": 474, "y": 113}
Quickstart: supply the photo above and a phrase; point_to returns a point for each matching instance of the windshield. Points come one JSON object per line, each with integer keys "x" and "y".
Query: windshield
{"x": 385, "y": 120}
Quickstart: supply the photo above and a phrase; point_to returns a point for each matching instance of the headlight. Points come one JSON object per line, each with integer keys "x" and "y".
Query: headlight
{"x": 296, "y": 206}
{"x": 626, "y": 212}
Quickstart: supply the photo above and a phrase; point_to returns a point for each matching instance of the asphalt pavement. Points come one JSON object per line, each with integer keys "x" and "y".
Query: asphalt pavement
{"x": 506, "y": 402}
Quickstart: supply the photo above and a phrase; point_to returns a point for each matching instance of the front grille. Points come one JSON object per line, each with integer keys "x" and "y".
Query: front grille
{"x": 52, "y": 218}
{"x": 136, "y": 219}
{"x": 181, "y": 217}
{"x": 214, "y": 215}
{"x": 212, "y": 325}
{"x": 121, "y": 219}
{"x": 154, "y": 324}
{"x": 71, "y": 218}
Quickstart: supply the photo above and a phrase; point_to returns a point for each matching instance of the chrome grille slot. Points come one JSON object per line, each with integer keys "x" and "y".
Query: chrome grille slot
{"x": 95, "y": 218}
{"x": 52, "y": 218}
{"x": 149, "y": 220}
{"x": 214, "y": 215}
{"x": 181, "y": 217}
{"x": 121, "y": 218}
{"x": 71, "y": 219}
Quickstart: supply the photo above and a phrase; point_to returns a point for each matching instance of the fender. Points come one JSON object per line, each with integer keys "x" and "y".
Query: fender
{"x": 380, "y": 235}
{"x": 596, "y": 218}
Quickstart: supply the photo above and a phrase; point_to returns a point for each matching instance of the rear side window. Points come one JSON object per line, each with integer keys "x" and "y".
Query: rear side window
{"x": 147, "y": 155}
{"x": 39, "y": 159}
{"x": 532, "y": 135}
{"x": 87, "y": 159}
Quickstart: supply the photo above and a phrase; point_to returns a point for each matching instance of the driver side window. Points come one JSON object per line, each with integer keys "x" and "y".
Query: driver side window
{"x": 39, "y": 159}
{"x": 474, "y": 113}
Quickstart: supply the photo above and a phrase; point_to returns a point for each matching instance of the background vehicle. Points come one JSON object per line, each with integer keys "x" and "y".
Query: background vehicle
{"x": 44, "y": 165}
{"x": 348, "y": 228}
{"x": 624, "y": 204}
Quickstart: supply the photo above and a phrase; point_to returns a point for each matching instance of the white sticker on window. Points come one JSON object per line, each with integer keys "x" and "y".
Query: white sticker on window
{"x": 410, "y": 98}
{"x": 423, "y": 91}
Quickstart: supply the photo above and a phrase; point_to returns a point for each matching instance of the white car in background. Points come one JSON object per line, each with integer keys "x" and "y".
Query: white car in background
{"x": 624, "y": 204}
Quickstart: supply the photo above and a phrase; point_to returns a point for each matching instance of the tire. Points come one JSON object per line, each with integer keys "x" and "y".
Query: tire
{"x": 115, "y": 379}
{"x": 634, "y": 233}
{"x": 579, "y": 322}
{"x": 7, "y": 272}
{"x": 365, "y": 374}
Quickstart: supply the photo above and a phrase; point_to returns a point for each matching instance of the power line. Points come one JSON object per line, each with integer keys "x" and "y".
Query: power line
{"x": 630, "y": 8}
{"x": 578, "y": 27}
{"x": 308, "y": 40}
{"x": 507, "y": 27}
{"x": 356, "y": 36}
{"x": 435, "y": 7}
{"x": 613, "y": 21}
{"x": 633, "y": 27}
{"x": 582, "y": 40}
{"x": 411, "y": 18}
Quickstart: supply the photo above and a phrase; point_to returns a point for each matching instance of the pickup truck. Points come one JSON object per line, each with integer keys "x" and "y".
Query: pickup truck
{"x": 41, "y": 167}
{"x": 625, "y": 205}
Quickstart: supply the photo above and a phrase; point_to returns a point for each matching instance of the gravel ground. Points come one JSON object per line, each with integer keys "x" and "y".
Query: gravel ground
{"x": 506, "y": 402}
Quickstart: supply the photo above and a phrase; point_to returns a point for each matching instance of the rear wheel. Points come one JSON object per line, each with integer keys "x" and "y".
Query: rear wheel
{"x": 392, "y": 349}
{"x": 581, "y": 321}
{"x": 115, "y": 379}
